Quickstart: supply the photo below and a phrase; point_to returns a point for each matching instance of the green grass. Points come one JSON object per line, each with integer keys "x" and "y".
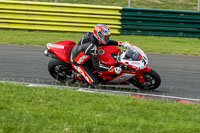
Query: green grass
{"x": 52, "y": 110}
{"x": 159, "y": 4}
{"x": 172, "y": 45}
{"x": 166, "y": 4}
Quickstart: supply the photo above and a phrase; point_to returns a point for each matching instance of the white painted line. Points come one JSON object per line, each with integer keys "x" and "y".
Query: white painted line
{"x": 144, "y": 94}
{"x": 169, "y": 97}
{"x": 86, "y": 90}
{"x": 40, "y": 85}
{"x": 107, "y": 91}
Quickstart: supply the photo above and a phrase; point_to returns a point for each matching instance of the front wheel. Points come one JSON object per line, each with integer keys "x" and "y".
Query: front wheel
{"x": 152, "y": 79}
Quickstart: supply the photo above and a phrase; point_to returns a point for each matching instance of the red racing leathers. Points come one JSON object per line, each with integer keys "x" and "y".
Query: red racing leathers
{"x": 87, "y": 48}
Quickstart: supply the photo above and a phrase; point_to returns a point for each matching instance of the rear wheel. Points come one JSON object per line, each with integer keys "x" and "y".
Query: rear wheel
{"x": 59, "y": 70}
{"x": 152, "y": 79}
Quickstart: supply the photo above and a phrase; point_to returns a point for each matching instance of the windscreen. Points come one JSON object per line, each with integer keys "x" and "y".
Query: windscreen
{"x": 132, "y": 55}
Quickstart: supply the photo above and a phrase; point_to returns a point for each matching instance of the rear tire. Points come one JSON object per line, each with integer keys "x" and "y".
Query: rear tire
{"x": 152, "y": 78}
{"x": 59, "y": 70}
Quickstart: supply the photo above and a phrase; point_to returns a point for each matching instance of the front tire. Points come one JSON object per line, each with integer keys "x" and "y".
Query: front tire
{"x": 152, "y": 78}
{"x": 59, "y": 70}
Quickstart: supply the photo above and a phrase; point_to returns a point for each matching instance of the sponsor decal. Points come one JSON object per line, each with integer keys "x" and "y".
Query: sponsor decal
{"x": 55, "y": 46}
{"x": 101, "y": 52}
{"x": 135, "y": 63}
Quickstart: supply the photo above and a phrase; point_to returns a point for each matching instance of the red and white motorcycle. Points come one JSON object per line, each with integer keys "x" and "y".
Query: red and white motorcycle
{"x": 132, "y": 60}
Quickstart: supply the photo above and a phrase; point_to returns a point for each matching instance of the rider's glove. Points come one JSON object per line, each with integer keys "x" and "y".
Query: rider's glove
{"x": 125, "y": 44}
{"x": 120, "y": 43}
{"x": 116, "y": 70}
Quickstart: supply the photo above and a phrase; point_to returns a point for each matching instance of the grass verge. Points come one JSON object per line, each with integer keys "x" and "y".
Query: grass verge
{"x": 51, "y": 110}
{"x": 159, "y": 4}
{"x": 171, "y": 45}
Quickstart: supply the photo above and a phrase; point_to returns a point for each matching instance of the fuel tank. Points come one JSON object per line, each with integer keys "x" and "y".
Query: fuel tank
{"x": 107, "y": 54}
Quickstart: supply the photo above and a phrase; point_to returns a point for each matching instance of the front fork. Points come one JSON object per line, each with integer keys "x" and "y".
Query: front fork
{"x": 140, "y": 74}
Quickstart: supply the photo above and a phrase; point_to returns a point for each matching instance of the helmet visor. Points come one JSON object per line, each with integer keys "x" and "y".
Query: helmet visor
{"x": 104, "y": 38}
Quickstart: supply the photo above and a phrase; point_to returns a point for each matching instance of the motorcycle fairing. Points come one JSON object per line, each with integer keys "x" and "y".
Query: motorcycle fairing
{"x": 62, "y": 49}
{"x": 122, "y": 78}
{"x": 138, "y": 62}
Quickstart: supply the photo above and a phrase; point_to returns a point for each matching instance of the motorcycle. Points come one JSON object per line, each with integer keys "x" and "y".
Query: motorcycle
{"x": 132, "y": 60}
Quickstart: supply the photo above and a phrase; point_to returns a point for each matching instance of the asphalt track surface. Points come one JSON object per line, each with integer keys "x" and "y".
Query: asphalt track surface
{"x": 180, "y": 74}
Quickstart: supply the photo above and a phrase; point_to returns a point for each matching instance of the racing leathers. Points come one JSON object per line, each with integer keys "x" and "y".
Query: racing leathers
{"x": 87, "y": 48}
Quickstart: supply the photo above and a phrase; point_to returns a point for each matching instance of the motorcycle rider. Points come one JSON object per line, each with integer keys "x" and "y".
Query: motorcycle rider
{"x": 87, "y": 48}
